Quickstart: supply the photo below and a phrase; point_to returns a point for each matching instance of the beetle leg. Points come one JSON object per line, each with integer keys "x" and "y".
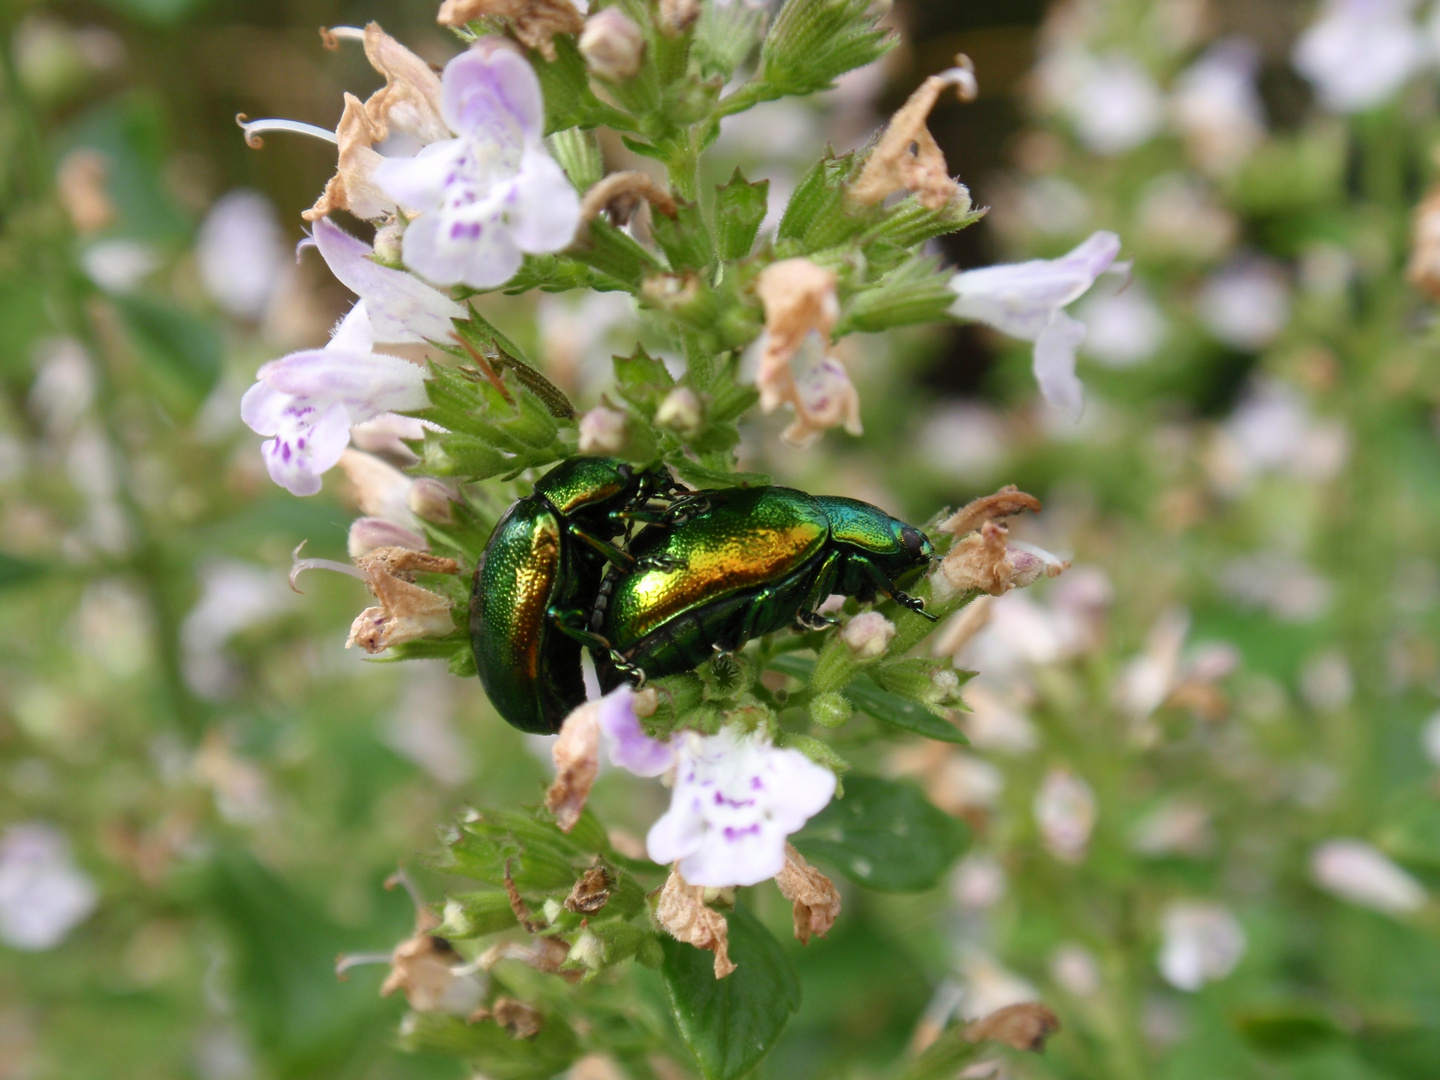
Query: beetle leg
{"x": 808, "y": 617}
{"x": 572, "y": 622}
{"x": 660, "y": 562}
{"x": 608, "y": 551}
{"x": 884, "y": 587}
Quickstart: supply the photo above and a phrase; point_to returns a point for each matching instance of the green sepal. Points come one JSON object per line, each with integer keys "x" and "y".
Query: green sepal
{"x": 449, "y": 454}
{"x": 476, "y": 914}
{"x": 612, "y": 252}
{"x": 740, "y": 208}
{"x": 813, "y": 42}
{"x": 684, "y": 237}
{"x": 559, "y": 273}
{"x": 945, "y": 1057}
{"x": 504, "y": 355}
{"x": 578, "y": 152}
{"x": 830, "y": 710}
{"x": 818, "y": 215}
{"x": 909, "y": 223}
{"x": 916, "y": 292}
{"x": 565, "y": 89}
{"x": 642, "y": 381}
{"x": 489, "y": 1048}
{"x": 901, "y": 712}
{"x": 818, "y": 751}
{"x": 541, "y": 858}
{"x": 725, "y": 37}
{"x": 701, "y": 475}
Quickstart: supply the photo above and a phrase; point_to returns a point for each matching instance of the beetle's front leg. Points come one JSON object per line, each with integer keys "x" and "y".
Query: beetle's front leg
{"x": 809, "y": 617}
{"x": 609, "y": 552}
{"x": 574, "y": 623}
{"x": 884, "y": 587}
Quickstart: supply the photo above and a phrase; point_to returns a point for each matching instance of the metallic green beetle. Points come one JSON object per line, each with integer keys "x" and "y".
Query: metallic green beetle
{"x": 753, "y": 561}
{"x": 541, "y": 566}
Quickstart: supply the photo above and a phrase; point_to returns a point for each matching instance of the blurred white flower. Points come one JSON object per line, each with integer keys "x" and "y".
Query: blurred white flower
{"x": 1430, "y": 739}
{"x": 965, "y": 440}
{"x": 1217, "y": 108}
{"x": 1178, "y": 214}
{"x": 1111, "y": 101}
{"x": 996, "y": 721}
{"x": 1246, "y": 304}
{"x": 1065, "y": 811}
{"x": 1277, "y": 583}
{"x": 1075, "y": 970}
{"x": 1177, "y": 827}
{"x": 1326, "y": 681}
{"x": 989, "y": 987}
{"x": 1202, "y": 942}
{"x": 1124, "y": 326}
{"x": 1048, "y": 204}
{"x": 1358, "y": 872}
{"x": 64, "y": 385}
{"x": 978, "y": 882}
{"x": 1159, "y": 674}
{"x": 1273, "y": 430}
{"x": 43, "y": 894}
{"x": 1358, "y": 53}
{"x": 119, "y": 265}
{"x": 234, "y": 596}
{"x": 422, "y": 725}
{"x": 241, "y": 252}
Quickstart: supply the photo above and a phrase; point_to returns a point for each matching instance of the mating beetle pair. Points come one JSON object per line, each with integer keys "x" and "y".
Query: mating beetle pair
{"x": 713, "y": 570}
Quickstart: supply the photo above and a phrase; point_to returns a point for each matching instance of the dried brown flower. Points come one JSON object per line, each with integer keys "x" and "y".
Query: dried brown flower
{"x": 816, "y": 900}
{"x": 536, "y": 22}
{"x": 80, "y": 183}
{"x": 406, "y": 610}
{"x": 591, "y": 892}
{"x": 683, "y": 913}
{"x": 619, "y": 194}
{"x": 1424, "y": 269}
{"x": 521, "y": 1021}
{"x": 576, "y": 752}
{"x": 1006, "y": 502}
{"x": 1025, "y": 1027}
{"x": 907, "y": 158}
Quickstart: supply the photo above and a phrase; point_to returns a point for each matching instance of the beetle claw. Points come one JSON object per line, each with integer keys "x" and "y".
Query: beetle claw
{"x": 813, "y": 620}
{"x": 660, "y": 562}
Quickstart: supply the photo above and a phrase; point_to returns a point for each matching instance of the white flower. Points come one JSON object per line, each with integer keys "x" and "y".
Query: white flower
{"x": 1355, "y": 871}
{"x": 1246, "y": 304}
{"x": 978, "y": 882}
{"x": 396, "y": 307}
{"x": 234, "y": 596}
{"x": 43, "y": 894}
{"x": 493, "y": 192}
{"x": 1430, "y": 738}
{"x": 1216, "y": 107}
{"x": 736, "y": 798}
{"x": 308, "y": 400}
{"x": 240, "y": 252}
{"x": 1360, "y": 52}
{"x": 1065, "y": 811}
{"x": 1115, "y": 106}
{"x": 1027, "y": 300}
{"x": 1124, "y": 325}
{"x": 1202, "y": 943}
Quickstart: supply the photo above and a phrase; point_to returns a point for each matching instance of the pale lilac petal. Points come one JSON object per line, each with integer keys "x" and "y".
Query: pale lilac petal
{"x": 675, "y": 836}
{"x": 43, "y": 894}
{"x": 401, "y": 307}
{"x": 307, "y": 446}
{"x": 1054, "y": 364}
{"x": 1360, "y": 52}
{"x": 367, "y": 384}
{"x": 630, "y": 747}
{"x": 263, "y": 408}
{"x": 1019, "y": 299}
{"x": 547, "y": 211}
{"x": 420, "y": 181}
{"x": 485, "y": 92}
{"x": 480, "y": 254}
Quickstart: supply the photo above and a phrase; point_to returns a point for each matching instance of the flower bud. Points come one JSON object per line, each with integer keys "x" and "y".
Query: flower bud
{"x": 868, "y": 635}
{"x": 680, "y": 411}
{"x": 387, "y": 244}
{"x": 369, "y": 533}
{"x": 588, "y": 950}
{"x": 429, "y": 499}
{"x": 602, "y": 431}
{"x": 612, "y": 45}
{"x": 1355, "y": 871}
{"x": 831, "y": 710}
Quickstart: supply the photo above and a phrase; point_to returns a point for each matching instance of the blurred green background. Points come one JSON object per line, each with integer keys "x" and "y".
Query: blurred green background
{"x": 202, "y": 793}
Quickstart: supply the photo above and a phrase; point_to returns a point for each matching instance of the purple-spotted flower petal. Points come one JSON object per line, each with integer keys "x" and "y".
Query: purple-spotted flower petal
{"x": 308, "y": 400}
{"x": 736, "y": 798}
{"x": 491, "y": 194}
{"x": 630, "y": 747}
{"x": 1026, "y": 301}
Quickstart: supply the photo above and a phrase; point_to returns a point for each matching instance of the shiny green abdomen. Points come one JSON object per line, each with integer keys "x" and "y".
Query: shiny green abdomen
{"x": 530, "y": 670}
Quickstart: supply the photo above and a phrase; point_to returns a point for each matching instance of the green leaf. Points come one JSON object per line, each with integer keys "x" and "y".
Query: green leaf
{"x": 1287, "y": 1027}
{"x": 565, "y": 89}
{"x": 739, "y": 211}
{"x": 899, "y": 712}
{"x": 885, "y": 834}
{"x": 181, "y": 352}
{"x": 642, "y": 380}
{"x": 813, "y": 42}
{"x": 16, "y": 572}
{"x": 613, "y": 253}
{"x": 730, "y": 1024}
{"x": 725, "y": 36}
{"x": 944, "y": 1058}
{"x": 156, "y": 11}
{"x": 817, "y": 215}
{"x": 704, "y": 476}
{"x": 909, "y": 223}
